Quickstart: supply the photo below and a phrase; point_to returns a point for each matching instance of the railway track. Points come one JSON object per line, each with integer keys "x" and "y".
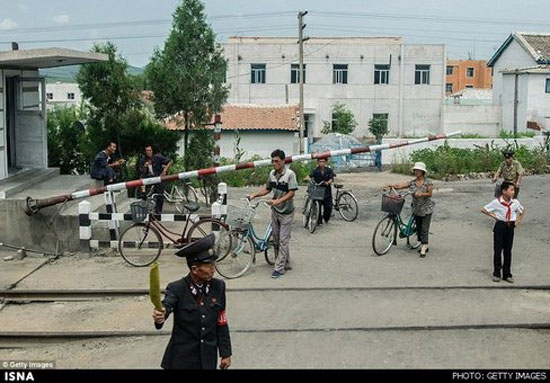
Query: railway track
{"x": 42, "y": 295}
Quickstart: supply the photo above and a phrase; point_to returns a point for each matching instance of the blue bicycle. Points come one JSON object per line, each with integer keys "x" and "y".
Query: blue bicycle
{"x": 238, "y": 246}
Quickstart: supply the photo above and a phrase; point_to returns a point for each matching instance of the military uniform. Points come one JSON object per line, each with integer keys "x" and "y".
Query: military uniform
{"x": 511, "y": 174}
{"x": 200, "y": 323}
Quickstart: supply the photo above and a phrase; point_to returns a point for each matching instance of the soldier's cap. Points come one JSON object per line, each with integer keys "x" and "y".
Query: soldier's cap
{"x": 200, "y": 251}
{"x": 508, "y": 153}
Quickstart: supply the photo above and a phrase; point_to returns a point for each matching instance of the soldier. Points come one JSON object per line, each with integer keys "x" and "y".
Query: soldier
{"x": 511, "y": 170}
{"x": 198, "y": 303}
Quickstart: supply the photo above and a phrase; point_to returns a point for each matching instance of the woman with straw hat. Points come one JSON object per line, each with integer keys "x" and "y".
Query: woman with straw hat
{"x": 422, "y": 204}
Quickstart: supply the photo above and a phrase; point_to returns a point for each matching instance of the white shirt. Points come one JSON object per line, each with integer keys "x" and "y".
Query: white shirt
{"x": 501, "y": 210}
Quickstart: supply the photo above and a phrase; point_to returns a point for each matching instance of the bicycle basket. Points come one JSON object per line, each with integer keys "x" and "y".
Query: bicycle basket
{"x": 239, "y": 217}
{"x": 140, "y": 210}
{"x": 317, "y": 193}
{"x": 392, "y": 203}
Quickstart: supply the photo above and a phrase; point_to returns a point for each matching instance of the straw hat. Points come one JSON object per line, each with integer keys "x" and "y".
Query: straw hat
{"x": 420, "y": 166}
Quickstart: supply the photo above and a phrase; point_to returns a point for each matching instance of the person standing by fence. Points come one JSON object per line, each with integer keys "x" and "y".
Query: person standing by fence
{"x": 422, "y": 204}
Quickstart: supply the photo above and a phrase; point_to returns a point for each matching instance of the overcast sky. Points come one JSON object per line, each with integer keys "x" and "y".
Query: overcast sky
{"x": 469, "y": 28}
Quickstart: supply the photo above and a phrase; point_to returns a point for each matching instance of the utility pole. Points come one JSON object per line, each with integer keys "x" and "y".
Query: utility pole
{"x": 301, "y": 40}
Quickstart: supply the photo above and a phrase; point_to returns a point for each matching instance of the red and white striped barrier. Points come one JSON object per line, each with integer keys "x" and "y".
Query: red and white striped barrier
{"x": 34, "y": 205}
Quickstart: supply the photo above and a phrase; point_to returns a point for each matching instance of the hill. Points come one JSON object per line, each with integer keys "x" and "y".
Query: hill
{"x": 68, "y": 73}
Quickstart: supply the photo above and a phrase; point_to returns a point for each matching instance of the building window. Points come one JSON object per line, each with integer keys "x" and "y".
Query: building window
{"x": 548, "y": 85}
{"x": 257, "y": 73}
{"x": 469, "y": 72}
{"x": 70, "y": 96}
{"x": 449, "y": 69}
{"x": 422, "y": 74}
{"x": 381, "y": 74}
{"x": 340, "y": 74}
{"x": 469, "y": 86}
{"x": 449, "y": 88}
{"x": 295, "y": 73}
{"x": 49, "y": 96}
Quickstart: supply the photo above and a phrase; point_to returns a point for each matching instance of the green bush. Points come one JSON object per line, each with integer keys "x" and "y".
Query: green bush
{"x": 446, "y": 160}
{"x": 509, "y": 134}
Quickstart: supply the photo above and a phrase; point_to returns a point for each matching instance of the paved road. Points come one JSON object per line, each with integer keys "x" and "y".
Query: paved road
{"x": 341, "y": 307}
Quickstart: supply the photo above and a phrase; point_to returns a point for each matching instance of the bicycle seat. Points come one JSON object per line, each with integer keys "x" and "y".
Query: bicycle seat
{"x": 191, "y": 207}
{"x": 338, "y": 186}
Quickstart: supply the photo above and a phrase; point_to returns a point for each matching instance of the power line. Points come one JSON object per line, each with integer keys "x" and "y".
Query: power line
{"x": 429, "y": 18}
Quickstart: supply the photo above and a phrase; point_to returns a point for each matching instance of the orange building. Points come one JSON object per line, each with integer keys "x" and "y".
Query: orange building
{"x": 462, "y": 74}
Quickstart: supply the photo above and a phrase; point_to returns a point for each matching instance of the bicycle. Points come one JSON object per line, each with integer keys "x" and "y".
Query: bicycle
{"x": 179, "y": 194}
{"x": 141, "y": 243}
{"x": 385, "y": 232}
{"x": 345, "y": 203}
{"x": 241, "y": 243}
{"x": 312, "y": 205}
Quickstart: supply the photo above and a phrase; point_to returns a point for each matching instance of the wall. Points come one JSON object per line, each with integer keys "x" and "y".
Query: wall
{"x": 3, "y": 133}
{"x": 514, "y": 56}
{"x": 261, "y": 143}
{"x": 421, "y": 103}
{"x": 507, "y": 99}
{"x": 397, "y": 155}
{"x": 538, "y": 101}
{"x": 472, "y": 119}
{"x": 59, "y": 92}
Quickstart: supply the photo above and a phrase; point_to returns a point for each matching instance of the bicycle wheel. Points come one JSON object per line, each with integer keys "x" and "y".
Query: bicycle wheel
{"x": 384, "y": 235}
{"x": 269, "y": 251}
{"x": 240, "y": 257}
{"x": 140, "y": 244}
{"x": 313, "y": 216}
{"x": 203, "y": 227}
{"x": 412, "y": 239}
{"x": 305, "y": 218}
{"x": 347, "y": 206}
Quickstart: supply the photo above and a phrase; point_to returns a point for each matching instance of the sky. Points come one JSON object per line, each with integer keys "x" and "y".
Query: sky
{"x": 469, "y": 28}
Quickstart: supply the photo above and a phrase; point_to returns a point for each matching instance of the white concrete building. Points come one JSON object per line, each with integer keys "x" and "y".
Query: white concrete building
{"x": 521, "y": 80}
{"x": 23, "y": 134}
{"x": 63, "y": 93}
{"x": 382, "y": 76}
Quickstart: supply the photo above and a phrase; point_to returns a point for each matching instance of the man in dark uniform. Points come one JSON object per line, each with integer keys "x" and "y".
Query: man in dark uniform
{"x": 154, "y": 165}
{"x": 198, "y": 303}
{"x": 324, "y": 175}
{"x": 103, "y": 166}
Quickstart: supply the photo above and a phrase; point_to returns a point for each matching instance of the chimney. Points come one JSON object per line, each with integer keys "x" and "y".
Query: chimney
{"x": 14, "y": 46}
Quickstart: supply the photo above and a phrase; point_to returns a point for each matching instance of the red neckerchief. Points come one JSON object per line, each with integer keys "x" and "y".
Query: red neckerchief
{"x": 508, "y": 206}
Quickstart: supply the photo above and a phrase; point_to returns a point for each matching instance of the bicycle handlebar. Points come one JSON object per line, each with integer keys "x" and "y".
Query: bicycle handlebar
{"x": 255, "y": 205}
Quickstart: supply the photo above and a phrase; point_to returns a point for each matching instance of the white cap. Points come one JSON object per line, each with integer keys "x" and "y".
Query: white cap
{"x": 420, "y": 166}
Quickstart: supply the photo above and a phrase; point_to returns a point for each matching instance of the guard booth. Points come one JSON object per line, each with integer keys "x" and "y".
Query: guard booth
{"x": 23, "y": 131}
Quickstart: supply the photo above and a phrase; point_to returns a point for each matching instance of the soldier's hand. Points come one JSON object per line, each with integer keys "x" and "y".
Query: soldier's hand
{"x": 225, "y": 363}
{"x": 159, "y": 316}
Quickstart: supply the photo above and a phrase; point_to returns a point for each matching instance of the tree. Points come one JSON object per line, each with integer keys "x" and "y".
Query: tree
{"x": 66, "y": 140}
{"x": 116, "y": 111}
{"x": 343, "y": 120}
{"x": 187, "y": 74}
{"x": 110, "y": 92}
{"x": 378, "y": 127}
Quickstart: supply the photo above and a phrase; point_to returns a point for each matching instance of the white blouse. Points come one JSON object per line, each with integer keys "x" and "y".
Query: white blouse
{"x": 504, "y": 211}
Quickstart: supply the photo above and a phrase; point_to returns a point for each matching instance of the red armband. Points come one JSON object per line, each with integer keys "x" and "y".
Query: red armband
{"x": 222, "y": 319}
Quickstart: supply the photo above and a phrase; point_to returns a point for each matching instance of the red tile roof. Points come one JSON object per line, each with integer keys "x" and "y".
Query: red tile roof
{"x": 250, "y": 117}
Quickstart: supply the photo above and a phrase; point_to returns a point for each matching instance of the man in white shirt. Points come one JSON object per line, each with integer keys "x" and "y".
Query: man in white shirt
{"x": 508, "y": 213}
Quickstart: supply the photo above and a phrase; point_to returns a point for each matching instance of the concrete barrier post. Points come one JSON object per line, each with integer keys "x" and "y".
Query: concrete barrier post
{"x": 110, "y": 204}
{"x": 85, "y": 224}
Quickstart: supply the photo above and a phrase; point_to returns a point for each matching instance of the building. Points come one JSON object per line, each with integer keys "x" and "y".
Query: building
{"x": 521, "y": 80}
{"x": 62, "y": 93}
{"x": 467, "y": 74}
{"x": 373, "y": 76}
{"x": 260, "y": 129}
{"x": 23, "y": 133}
